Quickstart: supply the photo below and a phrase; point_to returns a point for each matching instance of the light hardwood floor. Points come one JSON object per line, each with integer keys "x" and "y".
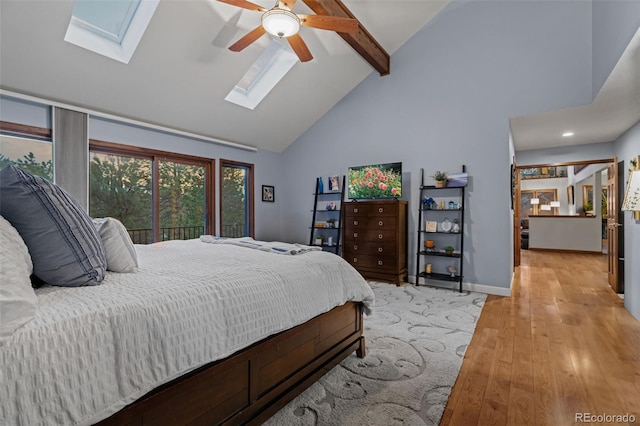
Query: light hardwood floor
{"x": 562, "y": 344}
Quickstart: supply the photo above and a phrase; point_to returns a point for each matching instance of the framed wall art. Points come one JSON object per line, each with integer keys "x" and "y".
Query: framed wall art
{"x": 268, "y": 193}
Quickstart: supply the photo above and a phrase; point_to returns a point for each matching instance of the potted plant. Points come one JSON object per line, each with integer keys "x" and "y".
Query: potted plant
{"x": 440, "y": 178}
{"x": 448, "y": 250}
{"x": 318, "y": 240}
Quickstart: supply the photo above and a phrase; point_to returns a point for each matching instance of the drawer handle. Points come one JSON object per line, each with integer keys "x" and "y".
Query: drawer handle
{"x": 380, "y": 223}
{"x": 355, "y": 222}
{"x": 355, "y": 235}
{"x": 355, "y": 260}
{"x": 380, "y": 236}
{"x": 355, "y": 247}
{"x": 355, "y": 210}
{"x": 379, "y": 249}
{"x": 380, "y": 210}
{"x": 380, "y": 262}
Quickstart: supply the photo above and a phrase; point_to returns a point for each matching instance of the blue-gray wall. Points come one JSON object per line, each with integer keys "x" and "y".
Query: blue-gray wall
{"x": 614, "y": 24}
{"x": 25, "y": 112}
{"x": 447, "y": 102}
{"x": 626, "y": 148}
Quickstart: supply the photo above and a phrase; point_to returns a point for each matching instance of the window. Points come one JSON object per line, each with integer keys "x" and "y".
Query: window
{"x": 543, "y": 206}
{"x": 236, "y": 199}
{"x": 120, "y": 187}
{"x": 157, "y": 195}
{"x": 587, "y": 199}
{"x": 27, "y": 147}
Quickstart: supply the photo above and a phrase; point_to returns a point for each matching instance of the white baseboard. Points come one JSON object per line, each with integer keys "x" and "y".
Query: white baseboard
{"x": 479, "y": 288}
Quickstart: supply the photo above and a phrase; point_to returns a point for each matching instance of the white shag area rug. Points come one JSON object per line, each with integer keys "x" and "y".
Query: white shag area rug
{"x": 415, "y": 340}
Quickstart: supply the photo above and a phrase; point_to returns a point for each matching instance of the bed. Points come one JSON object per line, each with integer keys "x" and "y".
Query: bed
{"x": 204, "y": 331}
{"x": 201, "y": 334}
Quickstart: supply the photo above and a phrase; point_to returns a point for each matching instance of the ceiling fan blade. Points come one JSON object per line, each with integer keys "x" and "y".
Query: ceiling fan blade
{"x": 247, "y": 39}
{"x": 331, "y": 23}
{"x": 286, "y": 4}
{"x": 300, "y": 47}
{"x": 244, "y": 4}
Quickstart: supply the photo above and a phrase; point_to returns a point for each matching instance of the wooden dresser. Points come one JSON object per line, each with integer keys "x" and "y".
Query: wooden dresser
{"x": 375, "y": 239}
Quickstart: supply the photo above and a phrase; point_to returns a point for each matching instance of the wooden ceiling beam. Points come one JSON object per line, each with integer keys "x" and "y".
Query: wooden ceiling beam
{"x": 361, "y": 40}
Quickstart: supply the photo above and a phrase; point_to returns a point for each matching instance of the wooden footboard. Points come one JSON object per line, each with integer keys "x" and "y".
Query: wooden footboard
{"x": 251, "y": 385}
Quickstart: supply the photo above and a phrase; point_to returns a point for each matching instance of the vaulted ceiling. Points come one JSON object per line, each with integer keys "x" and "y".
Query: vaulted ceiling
{"x": 182, "y": 70}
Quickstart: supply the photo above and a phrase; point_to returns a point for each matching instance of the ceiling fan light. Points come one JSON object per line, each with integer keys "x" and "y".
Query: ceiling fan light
{"x": 280, "y": 22}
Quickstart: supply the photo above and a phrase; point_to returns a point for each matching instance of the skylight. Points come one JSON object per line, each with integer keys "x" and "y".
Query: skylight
{"x": 110, "y": 28}
{"x": 273, "y": 64}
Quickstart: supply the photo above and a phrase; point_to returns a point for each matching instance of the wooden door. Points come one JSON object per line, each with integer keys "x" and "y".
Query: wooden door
{"x": 515, "y": 200}
{"x": 612, "y": 225}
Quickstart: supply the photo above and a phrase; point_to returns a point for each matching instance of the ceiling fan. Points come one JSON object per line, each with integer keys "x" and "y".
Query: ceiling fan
{"x": 281, "y": 22}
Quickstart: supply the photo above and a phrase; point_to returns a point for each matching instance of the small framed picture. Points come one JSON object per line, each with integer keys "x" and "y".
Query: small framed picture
{"x": 334, "y": 183}
{"x": 268, "y": 193}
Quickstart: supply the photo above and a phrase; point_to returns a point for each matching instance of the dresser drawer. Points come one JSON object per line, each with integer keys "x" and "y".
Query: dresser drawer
{"x": 366, "y": 209}
{"x": 363, "y": 261}
{"x": 380, "y": 235}
{"x": 370, "y": 222}
{"x": 370, "y": 248}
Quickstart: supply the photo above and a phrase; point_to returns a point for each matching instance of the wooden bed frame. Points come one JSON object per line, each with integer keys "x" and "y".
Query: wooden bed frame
{"x": 251, "y": 385}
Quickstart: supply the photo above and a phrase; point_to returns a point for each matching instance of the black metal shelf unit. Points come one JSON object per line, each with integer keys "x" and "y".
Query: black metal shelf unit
{"x": 329, "y": 217}
{"x": 445, "y": 237}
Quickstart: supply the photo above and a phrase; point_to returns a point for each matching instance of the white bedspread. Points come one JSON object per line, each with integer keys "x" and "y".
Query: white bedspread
{"x": 92, "y": 350}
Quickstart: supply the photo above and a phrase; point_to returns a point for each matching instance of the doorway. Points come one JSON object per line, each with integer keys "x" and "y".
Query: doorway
{"x": 566, "y": 190}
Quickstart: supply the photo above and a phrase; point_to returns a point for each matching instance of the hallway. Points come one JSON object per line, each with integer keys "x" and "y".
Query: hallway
{"x": 563, "y": 344}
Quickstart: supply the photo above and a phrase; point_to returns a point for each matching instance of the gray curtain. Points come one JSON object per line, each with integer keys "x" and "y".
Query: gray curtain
{"x": 71, "y": 153}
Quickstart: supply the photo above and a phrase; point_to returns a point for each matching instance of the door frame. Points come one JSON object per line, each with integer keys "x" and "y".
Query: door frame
{"x": 516, "y": 201}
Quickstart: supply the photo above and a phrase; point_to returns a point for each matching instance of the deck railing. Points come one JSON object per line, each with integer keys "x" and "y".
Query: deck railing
{"x": 145, "y": 236}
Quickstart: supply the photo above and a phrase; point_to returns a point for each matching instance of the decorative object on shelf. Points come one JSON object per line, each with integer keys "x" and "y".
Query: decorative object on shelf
{"x": 440, "y": 178}
{"x": 320, "y": 186}
{"x": 427, "y": 268}
{"x": 631, "y": 200}
{"x": 441, "y": 206}
{"x": 451, "y": 205}
{"x": 452, "y": 270}
{"x": 455, "y": 228}
{"x": 449, "y": 250}
{"x": 457, "y": 180}
{"x": 331, "y": 223}
{"x": 334, "y": 183}
{"x": 429, "y": 244}
{"x": 318, "y": 240}
{"x": 330, "y": 241}
{"x": 268, "y": 193}
{"x": 431, "y": 226}
{"x": 446, "y": 225}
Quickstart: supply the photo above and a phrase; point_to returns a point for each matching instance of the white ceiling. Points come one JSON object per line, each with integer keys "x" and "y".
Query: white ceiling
{"x": 182, "y": 70}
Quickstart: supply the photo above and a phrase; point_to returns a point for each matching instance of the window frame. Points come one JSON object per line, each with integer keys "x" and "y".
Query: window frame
{"x": 113, "y": 148}
{"x": 536, "y": 209}
{"x": 250, "y": 192}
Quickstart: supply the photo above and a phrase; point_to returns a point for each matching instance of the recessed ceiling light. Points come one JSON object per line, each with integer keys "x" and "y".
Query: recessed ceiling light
{"x": 567, "y": 134}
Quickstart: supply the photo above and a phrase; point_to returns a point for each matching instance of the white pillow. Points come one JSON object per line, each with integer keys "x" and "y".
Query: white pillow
{"x": 18, "y": 301}
{"x": 118, "y": 247}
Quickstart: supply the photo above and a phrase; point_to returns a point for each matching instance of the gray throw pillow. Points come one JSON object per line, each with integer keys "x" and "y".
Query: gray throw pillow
{"x": 65, "y": 248}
